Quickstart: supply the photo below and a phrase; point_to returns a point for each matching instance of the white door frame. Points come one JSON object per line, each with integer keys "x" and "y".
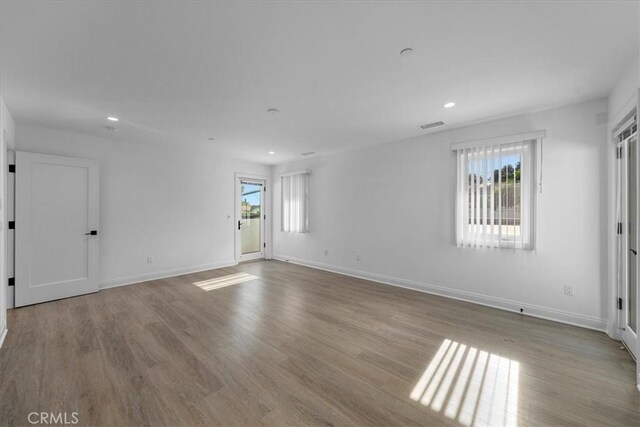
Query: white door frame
{"x": 618, "y": 121}
{"x": 238, "y": 216}
{"x": 4, "y": 275}
{"x": 628, "y": 336}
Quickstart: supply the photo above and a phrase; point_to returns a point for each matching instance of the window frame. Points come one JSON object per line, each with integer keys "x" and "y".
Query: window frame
{"x": 529, "y": 145}
{"x": 304, "y": 227}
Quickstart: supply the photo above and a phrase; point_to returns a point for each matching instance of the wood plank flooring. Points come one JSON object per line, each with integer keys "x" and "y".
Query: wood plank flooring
{"x": 299, "y": 346}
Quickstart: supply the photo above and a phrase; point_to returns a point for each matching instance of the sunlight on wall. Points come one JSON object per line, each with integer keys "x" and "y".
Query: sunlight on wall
{"x": 470, "y": 386}
{"x": 228, "y": 280}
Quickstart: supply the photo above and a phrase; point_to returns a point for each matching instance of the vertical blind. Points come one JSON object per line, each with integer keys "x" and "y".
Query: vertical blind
{"x": 295, "y": 202}
{"x": 494, "y": 197}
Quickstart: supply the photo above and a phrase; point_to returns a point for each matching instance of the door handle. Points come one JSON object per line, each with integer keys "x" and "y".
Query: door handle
{"x": 239, "y": 224}
{"x": 92, "y": 233}
{"x": 634, "y": 251}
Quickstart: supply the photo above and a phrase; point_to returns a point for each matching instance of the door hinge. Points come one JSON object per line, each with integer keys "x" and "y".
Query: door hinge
{"x": 265, "y": 188}
{"x": 12, "y": 225}
{"x": 619, "y": 303}
{"x": 264, "y": 245}
{"x": 619, "y": 228}
{"x": 264, "y": 217}
{"x": 12, "y": 168}
{"x": 11, "y": 281}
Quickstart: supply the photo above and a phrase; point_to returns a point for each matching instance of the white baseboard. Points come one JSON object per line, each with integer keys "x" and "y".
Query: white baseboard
{"x": 575, "y": 319}
{"x": 3, "y": 335}
{"x": 137, "y": 278}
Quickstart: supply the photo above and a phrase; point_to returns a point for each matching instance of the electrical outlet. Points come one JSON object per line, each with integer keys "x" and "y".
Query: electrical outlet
{"x": 149, "y": 260}
{"x": 569, "y": 290}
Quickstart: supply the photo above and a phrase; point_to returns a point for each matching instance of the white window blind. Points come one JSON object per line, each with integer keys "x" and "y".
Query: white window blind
{"x": 495, "y": 192}
{"x": 295, "y": 202}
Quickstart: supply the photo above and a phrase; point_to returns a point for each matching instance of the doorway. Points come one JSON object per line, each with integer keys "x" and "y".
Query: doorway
{"x": 251, "y": 217}
{"x": 628, "y": 186}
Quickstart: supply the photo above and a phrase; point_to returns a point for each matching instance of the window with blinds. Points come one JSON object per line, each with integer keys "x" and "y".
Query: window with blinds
{"x": 495, "y": 190}
{"x": 295, "y": 202}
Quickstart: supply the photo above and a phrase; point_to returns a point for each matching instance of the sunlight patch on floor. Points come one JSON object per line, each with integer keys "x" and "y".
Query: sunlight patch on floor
{"x": 470, "y": 386}
{"x": 228, "y": 280}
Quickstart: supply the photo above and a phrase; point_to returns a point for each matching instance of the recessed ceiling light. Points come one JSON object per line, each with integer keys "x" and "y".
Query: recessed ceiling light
{"x": 449, "y": 104}
{"x": 272, "y": 152}
{"x": 406, "y": 51}
{"x": 273, "y": 111}
{"x": 113, "y": 119}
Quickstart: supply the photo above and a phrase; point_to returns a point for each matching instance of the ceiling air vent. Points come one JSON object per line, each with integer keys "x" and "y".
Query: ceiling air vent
{"x": 308, "y": 153}
{"x": 431, "y": 125}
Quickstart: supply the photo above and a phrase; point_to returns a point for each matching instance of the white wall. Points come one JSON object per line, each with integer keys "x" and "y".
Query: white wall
{"x": 405, "y": 232}
{"x": 624, "y": 90}
{"x": 7, "y": 124}
{"x": 168, "y": 202}
{"x": 7, "y": 132}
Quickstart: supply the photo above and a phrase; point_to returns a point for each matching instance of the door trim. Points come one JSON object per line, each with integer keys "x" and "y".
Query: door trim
{"x": 237, "y": 215}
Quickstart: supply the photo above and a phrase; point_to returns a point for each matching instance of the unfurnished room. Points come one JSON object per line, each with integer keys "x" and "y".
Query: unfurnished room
{"x": 319, "y": 213}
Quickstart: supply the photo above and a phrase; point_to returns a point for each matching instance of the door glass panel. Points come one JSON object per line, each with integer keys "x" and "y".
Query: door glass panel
{"x": 632, "y": 217}
{"x": 251, "y": 212}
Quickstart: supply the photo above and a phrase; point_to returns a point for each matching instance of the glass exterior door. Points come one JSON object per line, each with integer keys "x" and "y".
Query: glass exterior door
{"x": 251, "y": 221}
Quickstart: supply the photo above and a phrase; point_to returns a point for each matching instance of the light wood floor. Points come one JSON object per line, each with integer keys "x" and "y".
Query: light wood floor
{"x": 304, "y": 347}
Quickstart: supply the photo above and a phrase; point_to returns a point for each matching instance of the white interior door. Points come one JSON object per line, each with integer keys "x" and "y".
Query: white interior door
{"x": 56, "y": 227}
{"x": 251, "y": 216}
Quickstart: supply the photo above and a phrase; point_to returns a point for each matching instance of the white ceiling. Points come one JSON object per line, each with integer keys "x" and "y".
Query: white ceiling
{"x": 181, "y": 72}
